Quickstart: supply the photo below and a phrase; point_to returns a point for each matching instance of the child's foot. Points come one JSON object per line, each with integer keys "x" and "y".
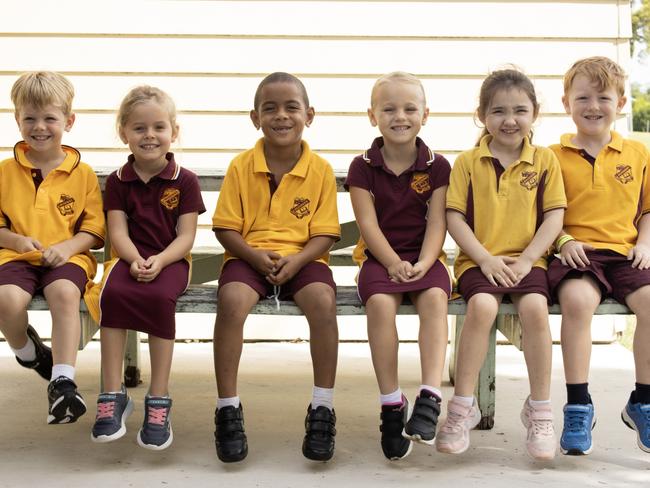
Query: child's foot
{"x": 320, "y": 430}
{"x": 112, "y": 411}
{"x": 637, "y": 416}
{"x": 43, "y": 362}
{"x": 453, "y": 436}
{"x": 66, "y": 404}
{"x": 579, "y": 421}
{"x": 540, "y": 440}
{"x": 229, "y": 436}
{"x": 156, "y": 432}
{"x": 421, "y": 427}
{"x": 393, "y": 418}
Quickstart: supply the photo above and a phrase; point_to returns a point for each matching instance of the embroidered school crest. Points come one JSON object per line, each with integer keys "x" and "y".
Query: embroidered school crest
{"x": 66, "y": 204}
{"x": 529, "y": 179}
{"x": 420, "y": 182}
{"x": 170, "y": 198}
{"x": 300, "y": 207}
{"x": 623, "y": 173}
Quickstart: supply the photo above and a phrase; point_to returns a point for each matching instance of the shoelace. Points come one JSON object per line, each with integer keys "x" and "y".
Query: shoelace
{"x": 105, "y": 410}
{"x": 276, "y": 296}
{"x": 575, "y": 421}
{"x": 156, "y": 416}
{"x": 454, "y": 422}
{"x": 541, "y": 427}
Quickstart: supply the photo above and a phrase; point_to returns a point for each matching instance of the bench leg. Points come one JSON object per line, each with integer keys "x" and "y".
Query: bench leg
{"x": 485, "y": 388}
{"x": 454, "y": 336}
{"x": 132, "y": 359}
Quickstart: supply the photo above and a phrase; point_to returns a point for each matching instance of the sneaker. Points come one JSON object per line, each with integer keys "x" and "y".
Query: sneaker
{"x": 540, "y": 439}
{"x": 156, "y": 432}
{"x": 43, "y": 362}
{"x": 421, "y": 426}
{"x": 320, "y": 430}
{"x": 637, "y": 417}
{"x": 66, "y": 404}
{"x": 229, "y": 435}
{"x": 112, "y": 411}
{"x": 393, "y": 418}
{"x": 579, "y": 421}
{"x": 453, "y": 435}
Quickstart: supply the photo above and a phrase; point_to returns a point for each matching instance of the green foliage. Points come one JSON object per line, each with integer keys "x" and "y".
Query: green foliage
{"x": 640, "y": 26}
{"x": 640, "y": 109}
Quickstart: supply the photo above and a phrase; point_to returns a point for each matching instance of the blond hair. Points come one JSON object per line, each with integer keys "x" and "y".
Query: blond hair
{"x": 142, "y": 94}
{"x": 601, "y": 71}
{"x": 42, "y": 88}
{"x": 399, "y": 77}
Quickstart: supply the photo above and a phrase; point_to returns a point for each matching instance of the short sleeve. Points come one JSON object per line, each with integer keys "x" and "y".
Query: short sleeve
{"x": 459, "y": 181}
{"x": 554, "y": 196}
{"x": 358, "y": 174}
{"x": 191, "y": 199}
{"x": 440, "y": 170}
{"x": 114, "y": 194}
{"x": 325, "y": 221}
{"x": 645, "y": 200}
{"x": 93, "y": 221}
{"x": 229, "y": 213}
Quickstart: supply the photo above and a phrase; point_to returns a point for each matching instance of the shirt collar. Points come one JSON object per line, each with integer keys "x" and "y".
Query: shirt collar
{"x": 527, "y": 151}
{"x": 616, "y": 143}
{"x": 299, "y": 169}
{"x": 169, "y": 172}
{"x": 423, "y": 159}
{"x": 72, "y": 157}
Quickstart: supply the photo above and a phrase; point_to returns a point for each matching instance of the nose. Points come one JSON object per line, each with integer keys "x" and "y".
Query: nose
{"x": 39, "y": 124}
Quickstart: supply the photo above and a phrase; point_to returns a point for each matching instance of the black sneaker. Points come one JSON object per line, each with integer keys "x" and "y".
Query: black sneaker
{"x": 320, "y": 430}
{"x": 393, "y": 419}
{"x": 43, "y": 362}
{"x": 421, "y": 427}
{"x": 66, "y": 404}
{"x": 112, "y": 411}
{"x": 156, "y": 431}
{"x": 229, "y": 436}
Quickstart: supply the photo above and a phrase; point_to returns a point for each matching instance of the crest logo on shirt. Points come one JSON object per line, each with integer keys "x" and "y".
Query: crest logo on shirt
{"x": 420, "y": 182}
{"x": 300, "y": 207}
{"x": 170, "y": 198}
{"x": 65, "y": 205}
{"x": 529, "y": 180}
{"x": 623, "y": 173}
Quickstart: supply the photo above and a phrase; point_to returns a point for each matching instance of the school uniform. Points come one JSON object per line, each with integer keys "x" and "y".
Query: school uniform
{"x": 606, "y": 195}
{"x": 401, "y": 203}
{"x": 504, "y": 208}
{"x": 152, "y": 211}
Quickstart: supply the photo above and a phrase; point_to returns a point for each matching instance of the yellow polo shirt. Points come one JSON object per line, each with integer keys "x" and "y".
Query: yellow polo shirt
{"x": 606, "y": 199}
{"x": 504, "y": 212}
{"x": 303, "y": 205}
{"x": 67, "y": 201}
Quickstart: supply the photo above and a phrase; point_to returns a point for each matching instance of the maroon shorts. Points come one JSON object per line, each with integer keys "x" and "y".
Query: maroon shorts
{"x": 238, "y": 270}
{"x": 612, "y": 271}
{"x": 32, "y": 278}
{"x": 126, "y": 303}
{"x": 373, "y": 278}
{"x": 473, "y": 281}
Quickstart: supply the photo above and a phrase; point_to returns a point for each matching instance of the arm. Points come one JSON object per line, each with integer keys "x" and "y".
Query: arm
{"x": 495, "y": 268}
{"x": 262, "y": 260}
{"x": 640, "y": 253}
{"x": 58, "y": 254}
{"x": 121, "y": 242}
{"x": 17, "y": 242}
{"x": 286, "y": 267}
{"x": 434, "y": 235}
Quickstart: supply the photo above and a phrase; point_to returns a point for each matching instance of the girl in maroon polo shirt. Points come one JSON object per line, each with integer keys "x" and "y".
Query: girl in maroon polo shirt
{"x": 152, "y": 207}
{"x": 398, "y": 189}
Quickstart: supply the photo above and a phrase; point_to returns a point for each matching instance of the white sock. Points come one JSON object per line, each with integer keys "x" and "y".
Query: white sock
{"x": 322, "y": 397}
{"x": 27, "y": 352}
{"x": 63, "y": 370}
{"x": 538, "y": 403}
{"x": 394, "y": 398}
{"x": 432, "y": 389}
{"x": 228, "y": 402}
{"x": 464, "y": 401}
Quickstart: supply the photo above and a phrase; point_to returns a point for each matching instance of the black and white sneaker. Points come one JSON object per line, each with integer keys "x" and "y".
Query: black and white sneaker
{"x": 66, "y": 404}
{"x": 421, "y": 426}
{"x": 43, "y": 362}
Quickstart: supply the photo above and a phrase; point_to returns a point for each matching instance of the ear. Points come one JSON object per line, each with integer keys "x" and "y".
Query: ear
{"x": 565, "y": 102}
{"x": 311, "y": 113}
{"x": 372, "y": 118}
{"x": 255, "y": 117}
{"x": 425, "y": 116}
{"x": 123, "y": 136}
{"x": 621, "y": 103}
{"x": 175, "y": 131}
{"x": 70, "y": 122}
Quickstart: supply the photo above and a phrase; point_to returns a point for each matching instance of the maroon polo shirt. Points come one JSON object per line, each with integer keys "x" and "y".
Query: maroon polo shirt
{"x": 401, "y": 202}
{"x": 153, "y": 208}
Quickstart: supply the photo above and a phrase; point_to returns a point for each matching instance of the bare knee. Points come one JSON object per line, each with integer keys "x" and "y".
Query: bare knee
{"x": 13, "y": 300}
{"x": 233, "y": 305}
{"x": 62, "y": 295}
{"x": 482, "y": 309}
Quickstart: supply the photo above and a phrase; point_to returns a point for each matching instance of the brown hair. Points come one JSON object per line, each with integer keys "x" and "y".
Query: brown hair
{"x": 143, "y": 94}
{"x": 41, "y": 88}
{"x": 599, "y": 70}
{"x": 280, "y": 77}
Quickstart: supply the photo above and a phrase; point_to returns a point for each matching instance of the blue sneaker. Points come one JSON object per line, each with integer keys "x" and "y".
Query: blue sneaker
{"x": 579, "y": 421}
{"x": 112, "y": 411}
{"x": 156, "y": 432}
{"x": 637, "y": 416}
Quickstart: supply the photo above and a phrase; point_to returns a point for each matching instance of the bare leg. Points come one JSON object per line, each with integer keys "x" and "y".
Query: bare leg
{"x": 13, "y": 315}
{"x": 160, "y": 353}
{"x": 112, "y": 344}
{"x": 639, "y": 303}
{"x": 63, "y": 299}
{"x": 431, "y": 306}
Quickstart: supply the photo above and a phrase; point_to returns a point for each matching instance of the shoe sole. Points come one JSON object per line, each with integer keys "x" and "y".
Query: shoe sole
{"x": 102, "y": 439}
{"x": 578, "y": 452}
{"x": 234, "y": 459}
{"x": 66, "y": 412}
{"x": 315, "y": 456}
{"x": 418, "y": 438}
{"x": 155, "y": 447}
{"x": 544, "y": 457}
{"x": 627, "y": 420}
{"x": 408, "y": 451}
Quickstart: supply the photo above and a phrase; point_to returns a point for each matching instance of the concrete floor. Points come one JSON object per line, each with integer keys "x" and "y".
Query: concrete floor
{"x": 275, "y": 385}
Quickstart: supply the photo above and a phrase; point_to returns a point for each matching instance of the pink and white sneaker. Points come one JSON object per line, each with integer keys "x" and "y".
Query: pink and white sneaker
{"x": 453, "y": 436}
{"x": 541, "y": 442}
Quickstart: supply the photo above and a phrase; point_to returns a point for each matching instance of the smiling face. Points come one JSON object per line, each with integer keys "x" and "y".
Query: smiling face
{"x": 398, "y": 110}
{"x": 42, "y": 128}
{"x": 592, "y": 109}
{"x": 509, "y": 118}
{"x": 149, "y": 133}
{"x": 282, "y": 114}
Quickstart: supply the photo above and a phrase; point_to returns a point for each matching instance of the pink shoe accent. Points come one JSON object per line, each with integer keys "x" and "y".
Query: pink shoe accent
{"x": 453, "y": 436}
{"x": 541, "y": 442}
{"x": 156, "y": 416}
{"x": 105, "y": 410}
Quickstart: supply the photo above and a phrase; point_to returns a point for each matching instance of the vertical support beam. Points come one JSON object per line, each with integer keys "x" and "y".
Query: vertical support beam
{"x": 454, "y": 337}
{"x": 132, "y": 359}
{"x": 485, "y": 388}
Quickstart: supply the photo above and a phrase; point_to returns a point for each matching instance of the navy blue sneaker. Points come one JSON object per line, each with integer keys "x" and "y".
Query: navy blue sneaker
{"x": 112, "y": 411}
{"x": 579, "y": 420}
{"x": 156, "y": 432}
{"x": 637, "y": 417}
{"x": 42, "y": 364}
{"x": 393, "y": 419}
{"x": 66, "y": 404}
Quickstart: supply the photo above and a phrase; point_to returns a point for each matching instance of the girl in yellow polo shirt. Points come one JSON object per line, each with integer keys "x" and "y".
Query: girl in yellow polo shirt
{"x": 505, "y": 205}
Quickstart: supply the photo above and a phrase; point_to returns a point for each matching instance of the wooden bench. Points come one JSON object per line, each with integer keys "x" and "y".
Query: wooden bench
{"x": 201, "y": 298}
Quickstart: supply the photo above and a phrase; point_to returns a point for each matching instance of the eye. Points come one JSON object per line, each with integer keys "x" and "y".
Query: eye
{"x": 293, "y": 108}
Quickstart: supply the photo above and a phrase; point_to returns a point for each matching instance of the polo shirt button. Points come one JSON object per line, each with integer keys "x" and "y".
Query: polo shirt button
{"x": 33, "y": 175}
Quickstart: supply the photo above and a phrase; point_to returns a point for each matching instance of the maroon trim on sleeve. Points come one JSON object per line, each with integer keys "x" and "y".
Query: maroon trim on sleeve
{"x": 469, "y": 209}
{"x": 541, "y": 188}
{"x": 639, "y": 206}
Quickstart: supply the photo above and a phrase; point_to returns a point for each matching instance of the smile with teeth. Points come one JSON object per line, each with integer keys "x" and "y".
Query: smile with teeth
{"x": 593, "y": 117}
{"x": 149, "y": 147}
{"x": 400, "y": 128}
{"x": 282, "y": 129}
{"x": 40, "y": 138}
{"x": 510, "y": 131}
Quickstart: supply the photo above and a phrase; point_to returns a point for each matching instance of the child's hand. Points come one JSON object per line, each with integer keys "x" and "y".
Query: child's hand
{"x": 521, "y": 267}
{"x": 27, "y": 244}
{"x": 285, "y": 269}
{"x": 573, "y": 254}
{"x": 400, "y": 271}
{"x": 639, "y": 255}
{"x": 152, "y": 267}
{"x": 136, "y": 268}
{"x": 497, "y": 270}
{"x": 56, "y": 255}
{"x": 419, "y": 270}
{"x": 265, "y": 261}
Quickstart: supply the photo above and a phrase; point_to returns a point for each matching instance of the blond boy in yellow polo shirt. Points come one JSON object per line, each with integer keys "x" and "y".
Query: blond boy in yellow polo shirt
{"x": 50, "y": 216}
{"x": 605, "y": 243}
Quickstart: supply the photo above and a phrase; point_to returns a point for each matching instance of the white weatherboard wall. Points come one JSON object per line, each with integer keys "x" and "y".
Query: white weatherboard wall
{"x": 210, "y": 55}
